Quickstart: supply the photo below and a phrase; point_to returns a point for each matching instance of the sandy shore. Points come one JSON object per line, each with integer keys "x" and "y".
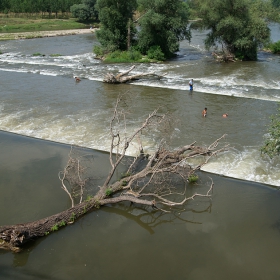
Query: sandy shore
{"x": 41, "y": 34}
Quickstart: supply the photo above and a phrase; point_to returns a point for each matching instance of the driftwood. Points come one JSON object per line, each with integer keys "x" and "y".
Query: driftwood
{"x": 224, "y": 56}
{"x": 148, "y": 181}
{"x": 122, "y": 78}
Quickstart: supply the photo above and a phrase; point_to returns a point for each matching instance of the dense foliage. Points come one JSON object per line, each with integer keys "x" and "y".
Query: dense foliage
{"x": 234, "y": 26}
{"x": 276, "y": 3}
{"x": 265, "y": 9}
{"x": 85, "y": 10}
{"x": 124, "y": 56}
{"x": 163, "y": 24}
{"x": 275, "y": 47}
{"x": 80, "y": 11}
{"x": 116, "y": 19}
{"x": 271, "y": 146}
{"x": 37, "y": 6}
{"x": 268, "y": 9}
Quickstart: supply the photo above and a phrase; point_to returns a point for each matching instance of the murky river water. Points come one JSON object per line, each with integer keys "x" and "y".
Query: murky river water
{"x": 234, "y": 237}
{"x": 40, "y": 98}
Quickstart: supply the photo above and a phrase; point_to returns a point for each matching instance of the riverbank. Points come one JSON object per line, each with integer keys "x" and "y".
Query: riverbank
{"x": 42, "y": 34}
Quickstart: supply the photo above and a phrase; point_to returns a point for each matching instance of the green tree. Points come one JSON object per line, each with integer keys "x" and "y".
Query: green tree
{"x": 80, "y": 11}
{"x": 116, "y": 19}
{"x": 194, "y": 8}
{"x": 234, "y": 26}
{"x": 5, "y": 6}
{"x": 85, "y": 10}
{"x": 46, "y": 7}
{"x": 271, "y": 146}
{"x": 55, "y": 7}
{"x": 163, "y": 23}
{"x": 276, "y": 3}
{"x": 275, "y": 47}
{"x": 91, "y": 7}
{"x": 265, "y": 9}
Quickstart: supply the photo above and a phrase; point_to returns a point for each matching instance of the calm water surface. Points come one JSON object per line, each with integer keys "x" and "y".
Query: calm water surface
{"x": 235, "y": 236}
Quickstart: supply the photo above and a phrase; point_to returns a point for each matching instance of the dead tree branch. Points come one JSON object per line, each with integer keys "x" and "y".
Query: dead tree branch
{"x": 224, "y": 56}
{"x": 124, "y": 78}
{"x": 160, "y": 180}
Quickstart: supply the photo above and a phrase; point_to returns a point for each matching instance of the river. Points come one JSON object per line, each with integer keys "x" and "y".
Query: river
{"x": 234, "y": 236}
{"x": 45, "y": 102}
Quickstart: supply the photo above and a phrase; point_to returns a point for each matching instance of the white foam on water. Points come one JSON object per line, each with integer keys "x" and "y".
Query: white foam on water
{"x": 59, "y": 61}
{"x": 198, "y": 47}
{"x": 14, "y": 70}
{"x": 78, "y": 129}
{"x": 40, "y": 62}
{"x": 90, "y": 77}
{"x": 247, "y": 164}
{"x": 86, "y": 66}
{"x": 48, "y": 73}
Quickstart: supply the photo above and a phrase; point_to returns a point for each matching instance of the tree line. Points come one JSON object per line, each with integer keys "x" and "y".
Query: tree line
{"x": 155, "y": 27}
{"x": 236, "y": 27}
{"x": 36, "y": 6}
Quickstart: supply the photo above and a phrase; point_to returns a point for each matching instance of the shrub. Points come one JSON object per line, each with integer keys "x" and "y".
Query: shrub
{"x": 124, "y": 56}
{"x": 54, "y": 228}
{"x": 156, "y": 53}
{"x": 239, "y": 55}
{"x": 98, "y": 50}
{"x": 80, "y": 11}
{"x": 271, "y": 145}
{"x": 108, "y": 192}
{"x": 38, "y": 54}
{"x": 192, "y": 178}
{"x": 275, "y": 47}
{"x": 55, "y": 54}
{"x": 62, "y": 224}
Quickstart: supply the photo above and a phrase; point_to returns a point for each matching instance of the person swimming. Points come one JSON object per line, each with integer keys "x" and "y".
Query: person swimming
{"x": 225, "y": 115}
{"x": 204, "y": 112}
{"x": 77, "y": 79}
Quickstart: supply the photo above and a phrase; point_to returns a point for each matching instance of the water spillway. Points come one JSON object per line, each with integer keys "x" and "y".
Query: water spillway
{"x": 39, "y": 98}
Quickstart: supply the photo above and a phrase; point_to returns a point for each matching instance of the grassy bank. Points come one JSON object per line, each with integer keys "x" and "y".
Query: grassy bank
{"x": 28, "y": 28}
{"x": 16, "y": 25}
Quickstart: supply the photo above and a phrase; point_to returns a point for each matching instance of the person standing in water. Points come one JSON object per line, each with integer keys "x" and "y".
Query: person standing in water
{"x": 191, "y": 84}
{"x": 204, "y": 112}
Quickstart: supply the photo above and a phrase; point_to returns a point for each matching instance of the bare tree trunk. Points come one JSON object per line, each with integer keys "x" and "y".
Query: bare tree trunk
{"x": 124, "y": 78}
{"x": 224, "y": 56}
{"x": 128, "y": 35}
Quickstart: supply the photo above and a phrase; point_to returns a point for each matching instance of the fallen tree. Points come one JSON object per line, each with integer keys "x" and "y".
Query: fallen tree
{"x": 224, "y": 56}
{"x": 150, "y": 180}
{"x": 122, "y": 78}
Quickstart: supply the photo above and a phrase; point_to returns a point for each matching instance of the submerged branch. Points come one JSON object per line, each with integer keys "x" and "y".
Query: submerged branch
{"x": 122, "y": 78}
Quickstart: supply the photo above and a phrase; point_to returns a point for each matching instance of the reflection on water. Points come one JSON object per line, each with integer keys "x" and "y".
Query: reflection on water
{"x": 235, "y": 235}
